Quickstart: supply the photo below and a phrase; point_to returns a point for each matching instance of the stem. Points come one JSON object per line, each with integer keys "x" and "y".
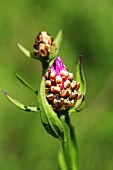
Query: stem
{"x": 69, "y": 147}
{"x": 45, "y": 64}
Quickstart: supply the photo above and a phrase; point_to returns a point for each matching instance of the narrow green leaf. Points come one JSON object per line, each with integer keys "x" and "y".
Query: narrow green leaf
{"x": 45, "y": 121}
{"x": 52, "y": 53}
{"x": 58, "y": 41}
{"x": 81, "y": 105}
{"x": 47, "y": 126}
{"x": 20, "y": 105}
{"x": 80, "y": 75}
{"x": 80, "y": 78}
{"x": 48, "y": 116}
{"x": 27, "y": 52}
{"x": 25, "y": 83}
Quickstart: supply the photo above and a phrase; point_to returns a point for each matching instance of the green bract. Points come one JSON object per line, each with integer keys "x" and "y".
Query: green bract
{"x": 79, "y": 76}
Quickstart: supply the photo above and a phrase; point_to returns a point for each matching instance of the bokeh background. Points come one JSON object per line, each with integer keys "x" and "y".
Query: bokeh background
{"x": 87, "y": 27}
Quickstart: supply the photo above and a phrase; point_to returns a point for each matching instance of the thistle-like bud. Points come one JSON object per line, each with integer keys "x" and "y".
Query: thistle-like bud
{"x": 62, "y": 91}
{"x": 42, "y": 44}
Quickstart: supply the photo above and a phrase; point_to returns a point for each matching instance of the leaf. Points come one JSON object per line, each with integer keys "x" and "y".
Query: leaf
{"x": 20, "y": 105}
{"x": 52, "y": 53}
{"x": 80, "y": 78}
{"x": 48, "y": 116}
{"x": 81, "y": 105}
{"x": 25, "y": 83}
{"x": 52, "y": 57}
{"x": 58, "y": 41}
{"x": 26, "y": 52}
{"x": 55, "y": 50}
{"x": 80, "y": 75}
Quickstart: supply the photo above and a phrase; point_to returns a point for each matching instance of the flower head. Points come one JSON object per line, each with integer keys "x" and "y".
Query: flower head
{"x": 42, "y": 44}
{"x": 62, "y": 91}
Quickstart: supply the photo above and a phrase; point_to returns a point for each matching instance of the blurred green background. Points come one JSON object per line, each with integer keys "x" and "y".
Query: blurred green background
{"x": 87, "y": 27}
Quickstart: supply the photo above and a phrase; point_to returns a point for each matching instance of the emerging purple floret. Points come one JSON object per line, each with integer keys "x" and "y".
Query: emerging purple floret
{"x": 60, "y": 70}
{"x": 57, "y": 66}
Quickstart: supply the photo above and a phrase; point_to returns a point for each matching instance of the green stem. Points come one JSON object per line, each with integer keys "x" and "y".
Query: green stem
{"x": 69, "y": 158}
{"x": 45, "y": 64}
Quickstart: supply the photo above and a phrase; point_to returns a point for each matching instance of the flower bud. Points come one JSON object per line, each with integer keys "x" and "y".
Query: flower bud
{"x": 42, "y": 44}
{"x": 62, "y": 91}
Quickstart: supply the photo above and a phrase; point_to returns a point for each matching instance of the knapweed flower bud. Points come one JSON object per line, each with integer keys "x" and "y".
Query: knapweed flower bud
{"x": 42, "y": 44}
{"x": 62, "y": 91}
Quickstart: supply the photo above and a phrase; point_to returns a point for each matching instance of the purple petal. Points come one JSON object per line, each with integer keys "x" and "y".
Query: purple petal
{"x": 58, "y": 66}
